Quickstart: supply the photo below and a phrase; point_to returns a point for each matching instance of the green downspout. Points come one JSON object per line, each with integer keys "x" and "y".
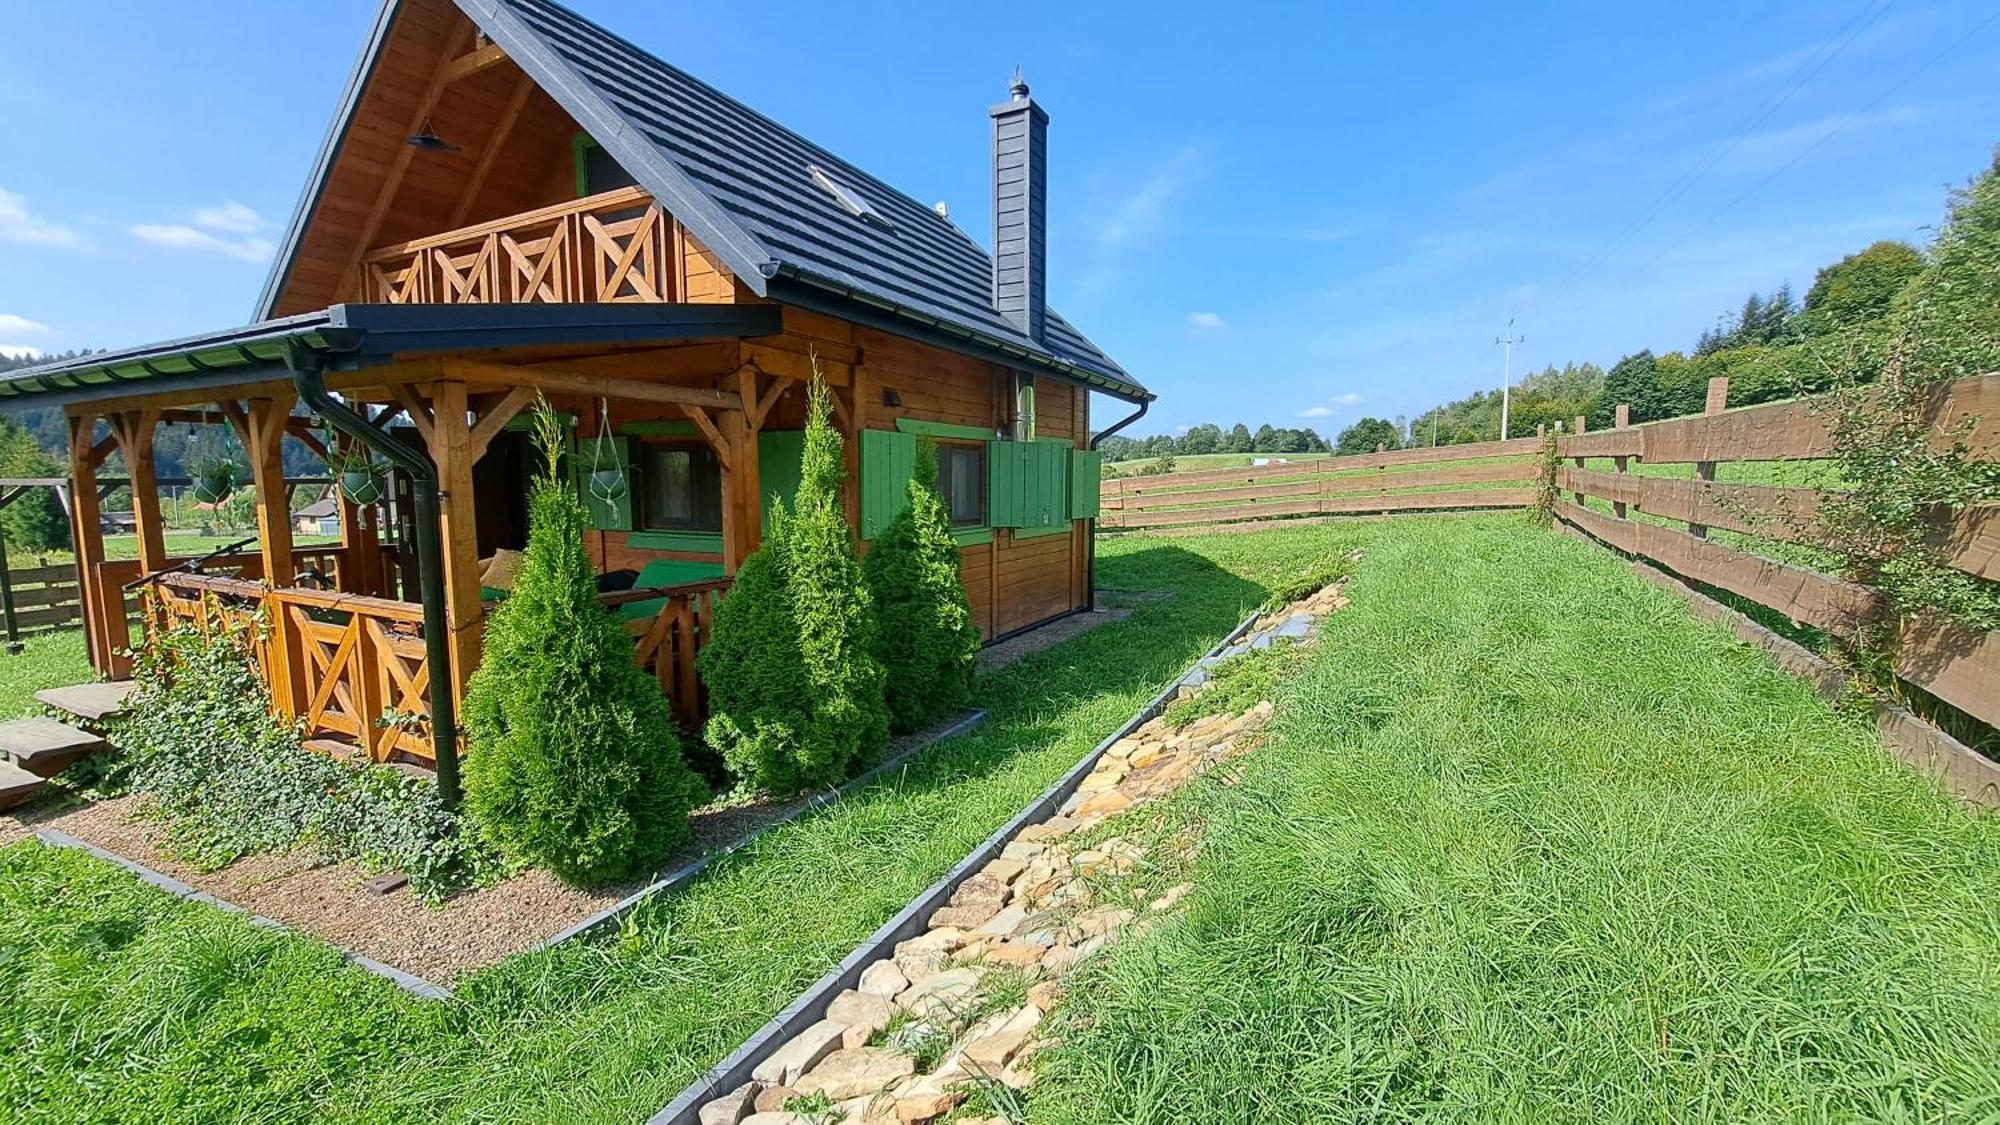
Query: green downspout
{"x": 309, "y": 377}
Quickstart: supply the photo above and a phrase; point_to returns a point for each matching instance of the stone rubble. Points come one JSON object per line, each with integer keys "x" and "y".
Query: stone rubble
{"x": 1027, "y": 918}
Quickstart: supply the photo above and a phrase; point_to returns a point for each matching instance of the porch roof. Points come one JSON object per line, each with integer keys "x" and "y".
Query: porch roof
{"x": 356, "y": 336}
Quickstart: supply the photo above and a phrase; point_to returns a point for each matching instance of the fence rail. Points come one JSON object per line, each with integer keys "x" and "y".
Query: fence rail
{"x": 43, "y": 597}
{"x": 1397, "y": 480}
{"x": 1953, "y": 663}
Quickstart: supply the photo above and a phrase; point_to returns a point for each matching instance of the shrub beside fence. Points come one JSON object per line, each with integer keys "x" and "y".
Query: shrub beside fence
{"x": 1492, "y": 474}
{"x": 1951, "y": 662}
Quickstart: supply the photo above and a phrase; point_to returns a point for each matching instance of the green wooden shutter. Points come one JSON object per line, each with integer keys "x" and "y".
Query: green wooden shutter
{"x": 611, "y": 515}
{"x": 887, "y": 457}
{"x": 1086, "y": 483}
{"x": 780, "y": 457}
{"x": 1006, "y": 483}
{"x": 1049, "y": 495}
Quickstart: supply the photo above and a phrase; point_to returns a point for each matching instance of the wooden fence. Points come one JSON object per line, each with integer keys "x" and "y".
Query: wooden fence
{"x": 1667, "y": 522}
{"x": 1492, "y": 474}
{"x": 42, "y": 598}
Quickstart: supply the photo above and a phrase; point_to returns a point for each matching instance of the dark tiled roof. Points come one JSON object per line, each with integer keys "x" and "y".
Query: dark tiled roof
{"x": 742, "y": 183}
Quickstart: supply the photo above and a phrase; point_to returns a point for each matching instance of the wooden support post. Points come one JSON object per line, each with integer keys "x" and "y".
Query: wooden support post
{"x": 265, "y": 421}
{"x": 1718, "y": 401}
{"x": 745, "y": 466}
{"x": 134, "y": 431}
{"x": 735, "y": 447}
{"x": 859, "y": 391}
{"x": 1580, "y": 421}
{"x": 1622, "y": 422}
{"x": 87, "y": 535}
{"x": 451, "y": 450}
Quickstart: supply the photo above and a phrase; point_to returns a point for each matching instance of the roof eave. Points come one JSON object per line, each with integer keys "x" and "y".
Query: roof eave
{"x": 853, "y": 304}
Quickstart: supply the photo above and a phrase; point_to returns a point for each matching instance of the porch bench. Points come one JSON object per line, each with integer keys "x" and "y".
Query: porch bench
{"x": 664, "y": 572}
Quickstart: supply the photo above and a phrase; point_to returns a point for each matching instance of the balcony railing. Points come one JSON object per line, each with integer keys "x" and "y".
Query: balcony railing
{"x": 617, "y": 246}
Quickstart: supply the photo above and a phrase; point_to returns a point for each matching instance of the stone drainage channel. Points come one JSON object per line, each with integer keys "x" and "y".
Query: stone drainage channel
{"x": 902, "y": 1030}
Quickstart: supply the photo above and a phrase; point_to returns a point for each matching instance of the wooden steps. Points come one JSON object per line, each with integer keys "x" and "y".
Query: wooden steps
{"x": 17, "y": 785}
{"x": 93, "y": 703}
{"x": 45, "y": 747}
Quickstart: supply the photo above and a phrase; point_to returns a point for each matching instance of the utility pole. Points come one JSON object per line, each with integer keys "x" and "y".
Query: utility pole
{"x": 1507, "y": 374}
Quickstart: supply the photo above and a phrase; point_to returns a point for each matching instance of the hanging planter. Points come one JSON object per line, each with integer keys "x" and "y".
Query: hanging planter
{"x": 359, "y": 478}
{"x": 214, "y": 480}
{"x": 608, "y": 481}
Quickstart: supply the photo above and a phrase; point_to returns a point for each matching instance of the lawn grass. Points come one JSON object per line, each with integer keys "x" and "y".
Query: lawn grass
{"x": 1529, "y": 842}
{"x": 46, "y": 660}
{"x": 125, "y": 1004}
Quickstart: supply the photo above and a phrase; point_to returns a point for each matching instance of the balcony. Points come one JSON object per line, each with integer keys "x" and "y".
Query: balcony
{"x": 617, "y": 246}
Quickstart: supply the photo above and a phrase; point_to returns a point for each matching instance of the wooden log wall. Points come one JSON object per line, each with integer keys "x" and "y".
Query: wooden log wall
{"x": 1952, "y": 663}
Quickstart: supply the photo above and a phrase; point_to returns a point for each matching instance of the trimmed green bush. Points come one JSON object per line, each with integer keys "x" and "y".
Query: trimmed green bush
{"x": 575, "y": 762}
{"x": 924, "y": 633}
{"x": 794, "y": 688}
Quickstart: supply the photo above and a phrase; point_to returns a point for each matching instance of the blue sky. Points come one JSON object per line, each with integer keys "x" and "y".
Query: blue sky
{"x": 1294, "y": 214}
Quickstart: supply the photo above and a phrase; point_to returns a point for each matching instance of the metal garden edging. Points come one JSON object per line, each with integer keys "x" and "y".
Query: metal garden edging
{"x": 408, "y": 982}
{"x": 810, "y": 1006}
{"x": 681, "y": 875}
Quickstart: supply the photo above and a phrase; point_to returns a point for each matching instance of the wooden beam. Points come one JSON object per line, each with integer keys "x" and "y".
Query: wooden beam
{"x": 496, "y": 417}
{"x": 87, "y": 536}
{"x": 400, "y": 165}
{"x": 596, "y": 386}
{"x": 716, "y": 441}
{"x": 502, "y": 129}
{"x": 302, "y": 429}
{"x": 407, "y": 400}
{"x": 265, "y": 422}
{"x": 474, "y": 61}
{"x": 135, "y": 430}
{"x": 746, "y": 471}
{"x": 451, "y": 449}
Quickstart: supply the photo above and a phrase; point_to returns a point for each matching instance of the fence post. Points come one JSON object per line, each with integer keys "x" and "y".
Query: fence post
{"x": 1718, "y": 401}
{"x": 1622, "y": 422}
{"x": 1578, "y": 460}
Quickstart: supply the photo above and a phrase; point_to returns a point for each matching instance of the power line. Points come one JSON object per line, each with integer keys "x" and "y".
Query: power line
{"x": 1772, "y": 102}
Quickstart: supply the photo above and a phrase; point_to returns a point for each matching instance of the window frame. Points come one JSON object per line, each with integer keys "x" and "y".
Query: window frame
{"x": 642, "y": 515}
{"x": 978, "y": 451}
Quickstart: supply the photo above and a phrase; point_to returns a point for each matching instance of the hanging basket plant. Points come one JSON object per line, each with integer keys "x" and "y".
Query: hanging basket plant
{"x": 361, "y": 479}
{"x": 608, "y": 481}
{"x": 214, "y": 480}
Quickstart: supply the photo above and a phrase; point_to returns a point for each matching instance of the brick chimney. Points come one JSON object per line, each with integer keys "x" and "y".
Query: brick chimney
{"x": 1020, "y": 203}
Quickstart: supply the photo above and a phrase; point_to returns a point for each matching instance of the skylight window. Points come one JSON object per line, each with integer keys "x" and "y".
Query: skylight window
{"x": 852, "y": 203}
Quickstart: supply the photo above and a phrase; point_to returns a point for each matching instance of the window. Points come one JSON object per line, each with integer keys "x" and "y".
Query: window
{"x": 962, "y": 482}
{"x": 680, "y": 487}
{"x": 852, "y": 203}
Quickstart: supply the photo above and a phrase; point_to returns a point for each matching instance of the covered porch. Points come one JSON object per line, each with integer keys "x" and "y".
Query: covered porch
{"x": 694, "y": 397}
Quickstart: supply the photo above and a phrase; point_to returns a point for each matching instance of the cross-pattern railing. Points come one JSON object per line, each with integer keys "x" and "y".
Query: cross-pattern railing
{"x": 617, "y": 246}
{"x": 669, "y": 640}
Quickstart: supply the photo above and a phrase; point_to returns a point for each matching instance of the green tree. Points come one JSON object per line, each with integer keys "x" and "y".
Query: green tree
{"x": 575, "y": 764}
{"x": 1205, "y": 438}
{"x": 1860, "y": 287}
{"x": 1239, "y": 440}
{"x": 788, "y": 711}
{"x": 36, "y": 521}
{"x": 1631, "y": 382}
{"x": 924, "y": 633}
{"x": 1365, "y": 435}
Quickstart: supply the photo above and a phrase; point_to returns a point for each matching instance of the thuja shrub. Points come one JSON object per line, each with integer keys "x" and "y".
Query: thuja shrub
{"x": 795, "y": 689}
{"x": 574, "y": 761}
{"x": 228, "y": 779}
{"x": 925, "y": 637}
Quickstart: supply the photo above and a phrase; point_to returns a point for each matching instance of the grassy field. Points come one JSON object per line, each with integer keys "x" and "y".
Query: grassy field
{"x": 48, "y": 660}
{"x": 1530, "y": 843}
{"x": 126, "y": 1004}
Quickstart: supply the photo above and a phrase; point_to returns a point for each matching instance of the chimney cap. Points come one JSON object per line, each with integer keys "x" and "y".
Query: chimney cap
{"x": 1019, "y": 87}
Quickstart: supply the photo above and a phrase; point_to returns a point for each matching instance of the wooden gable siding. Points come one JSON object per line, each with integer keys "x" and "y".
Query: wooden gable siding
{"x": 514, "y": 156}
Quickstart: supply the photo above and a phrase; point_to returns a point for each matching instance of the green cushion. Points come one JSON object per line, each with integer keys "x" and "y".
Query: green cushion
{"x": 665, "y": 572}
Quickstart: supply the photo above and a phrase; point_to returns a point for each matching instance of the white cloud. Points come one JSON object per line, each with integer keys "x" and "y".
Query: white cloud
{"x": 1316, "y": 412}
{"x": 230, "y": 229}
{"x": 1204, "y": 321}
{"x": 1349, "y": 399}
{"x": 183, "y": 237}
{"x": 1138, "y": 213}
{"x": 11, "y": 325}
{"x": 18, "y": 225}
{"x": 231, "y": 216}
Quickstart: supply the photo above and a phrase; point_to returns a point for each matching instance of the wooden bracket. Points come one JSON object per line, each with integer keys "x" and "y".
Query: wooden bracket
{"x": 495, "y": 419}
{"x": 420, "y": 416}
{"x": 706, "y": 425}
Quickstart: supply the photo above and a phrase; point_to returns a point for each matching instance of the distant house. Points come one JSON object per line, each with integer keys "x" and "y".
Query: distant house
{"x": 321, "y": 517}
{"x": 118, "y": 523}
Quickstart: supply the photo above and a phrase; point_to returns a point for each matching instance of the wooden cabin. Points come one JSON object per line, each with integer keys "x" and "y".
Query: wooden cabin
{"x": 513, "y": 201}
